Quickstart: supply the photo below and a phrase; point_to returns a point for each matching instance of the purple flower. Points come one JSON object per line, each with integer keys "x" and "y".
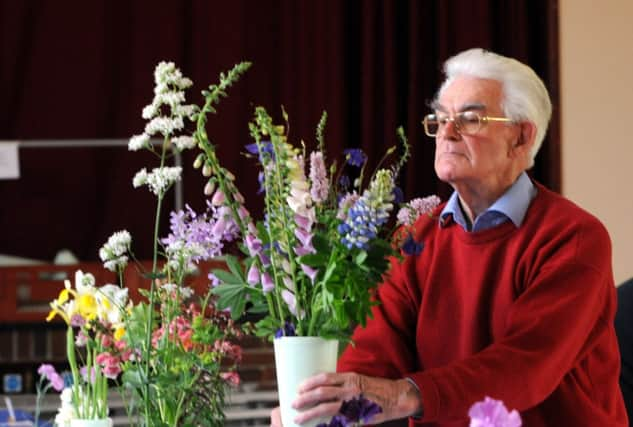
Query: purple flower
{"x": 398, "y": 195}
{"x": 492, "y": 413}
{"x": 214, "y": 280}
{"x": 411, "y": 247}
{"x": 311, "y": 272}
{"x": 252, "y": 277}
{"x": 48, "y": 371}
{"x": 288, "y": 331}
{"x": 267, "y": 283}
{"x": 253, "y": 244}
{"x": 355, "y": 157}
{"x": 318, "y": 177}
{"x": 267, "y": 150}
{"x": 359, "y": 409}
{"x": 291, "y": 301}
{"x": 344, "y": 182}
{"x": 352, "y": 412}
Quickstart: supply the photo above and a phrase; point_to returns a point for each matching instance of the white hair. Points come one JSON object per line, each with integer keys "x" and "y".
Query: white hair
{"x": 525, "y": 97}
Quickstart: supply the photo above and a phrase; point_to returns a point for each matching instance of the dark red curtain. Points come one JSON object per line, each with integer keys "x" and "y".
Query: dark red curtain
{"x": 77, "y": 69}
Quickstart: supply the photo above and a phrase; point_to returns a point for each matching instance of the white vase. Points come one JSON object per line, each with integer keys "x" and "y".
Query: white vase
{"x": 102, "y": 422}
{"x": 296, "y": 359}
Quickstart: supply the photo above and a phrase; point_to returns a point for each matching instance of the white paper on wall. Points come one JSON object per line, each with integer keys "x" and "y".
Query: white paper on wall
{"x": 9, "y": 160}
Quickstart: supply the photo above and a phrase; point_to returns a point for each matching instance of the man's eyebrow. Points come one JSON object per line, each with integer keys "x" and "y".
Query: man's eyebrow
{"x": 471, "y": 106}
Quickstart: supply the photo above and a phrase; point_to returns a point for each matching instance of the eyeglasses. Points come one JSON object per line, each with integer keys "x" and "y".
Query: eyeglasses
{"x": 466, "y": 122}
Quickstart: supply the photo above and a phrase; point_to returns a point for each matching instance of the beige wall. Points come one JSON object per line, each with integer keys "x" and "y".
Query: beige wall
{"x": 596, "y": 65}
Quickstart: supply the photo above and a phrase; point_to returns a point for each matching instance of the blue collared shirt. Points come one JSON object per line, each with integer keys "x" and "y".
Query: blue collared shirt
{"x": 512, "y": 205}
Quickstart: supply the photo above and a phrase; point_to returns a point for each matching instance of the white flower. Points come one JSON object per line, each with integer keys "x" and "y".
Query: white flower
{"x": 164, "y": 125}
{"x": 66, "y": 411}
{"x": 186, "y": 292}
{"x": 159, "y": 179}
{"x": 184, "y": 142}
{"x": 113, "y": 252}
{"x": 111, "y": 301}
{"x": 169, "y": 287}
{"x": 140, "y": 178}
{"x": 149, "y": 111}
{"x": 138, "y": 142}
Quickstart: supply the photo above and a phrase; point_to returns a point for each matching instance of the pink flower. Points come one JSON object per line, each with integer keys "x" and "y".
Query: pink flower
{"x": 318, "y": 177}
{"x": 48, "y": 371}
{"x": 267, "y": 283}
{"x": 231, "y": 378}
{"x": 492, "y": 413}
{"x": 218, "y": 198}
{"x": 253, "y": 275}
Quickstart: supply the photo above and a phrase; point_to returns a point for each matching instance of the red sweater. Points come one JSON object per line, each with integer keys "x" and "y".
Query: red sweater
{"x": 524, "y": 315}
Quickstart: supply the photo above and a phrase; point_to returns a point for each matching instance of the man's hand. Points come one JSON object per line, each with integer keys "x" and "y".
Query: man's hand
{"x": 323, "y": 394}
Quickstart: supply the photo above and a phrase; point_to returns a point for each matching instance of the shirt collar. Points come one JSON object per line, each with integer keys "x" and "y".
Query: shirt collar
{"x": 513, "y": 204}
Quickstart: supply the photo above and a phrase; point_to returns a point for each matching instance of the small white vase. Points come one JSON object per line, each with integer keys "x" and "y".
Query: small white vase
{"x": 102, "y": 422}
{"x": 296, "y": 359}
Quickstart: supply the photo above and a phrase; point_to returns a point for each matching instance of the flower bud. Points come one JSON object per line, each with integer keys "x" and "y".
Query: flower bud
{"x": 198, "y": 162}
{"x": 218, "y": 198}
{"x": 206, "y": 170}
{"x": 209, "y": 188}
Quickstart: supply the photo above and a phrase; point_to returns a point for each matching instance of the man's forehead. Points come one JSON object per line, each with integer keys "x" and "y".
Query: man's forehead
{"x": 470, "y": 93}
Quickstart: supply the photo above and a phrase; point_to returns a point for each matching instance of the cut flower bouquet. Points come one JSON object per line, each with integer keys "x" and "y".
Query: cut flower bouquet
{"x": 312, "y": 265}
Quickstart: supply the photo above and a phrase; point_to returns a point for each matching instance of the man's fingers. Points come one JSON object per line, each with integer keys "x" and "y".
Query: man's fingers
{"x": 275, "y": 417}
{"x": 323, "y": 394}
{"x": 322, "y": 379}
{"x": 327, "y": 410}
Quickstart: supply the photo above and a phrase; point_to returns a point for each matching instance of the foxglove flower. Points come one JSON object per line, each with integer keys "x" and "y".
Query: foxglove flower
{"x": 318, "y": 177}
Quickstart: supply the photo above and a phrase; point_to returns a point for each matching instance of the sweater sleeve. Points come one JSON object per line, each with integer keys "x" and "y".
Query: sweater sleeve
{"x": 386, "y": 346}
{"x": 565, "y": 309}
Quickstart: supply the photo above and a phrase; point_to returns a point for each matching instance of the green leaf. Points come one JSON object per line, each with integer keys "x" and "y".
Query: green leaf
{"x": 234, "y": 266}
{"x": 233, "y": 296}
{"x": 227, "y": 278}
{"x": 360, "y": 257}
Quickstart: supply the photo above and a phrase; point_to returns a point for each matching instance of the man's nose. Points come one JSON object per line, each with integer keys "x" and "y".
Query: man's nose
{"x": 449, "y": 130}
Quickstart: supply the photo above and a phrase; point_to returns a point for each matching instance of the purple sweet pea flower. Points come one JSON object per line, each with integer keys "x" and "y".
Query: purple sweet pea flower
{"x": 355, "y": 157}
{"x": 492, "y": 413}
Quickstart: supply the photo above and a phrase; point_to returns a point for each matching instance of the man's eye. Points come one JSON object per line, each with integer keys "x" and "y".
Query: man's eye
{"x": 469, "y": 117}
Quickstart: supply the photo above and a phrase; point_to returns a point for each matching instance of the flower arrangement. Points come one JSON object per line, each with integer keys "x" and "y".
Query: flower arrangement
{"x": 96, "y": 313}
{"x": 172, "y": 354}
{"x": 312, "y": 266}
{"x": 185, "y": 356}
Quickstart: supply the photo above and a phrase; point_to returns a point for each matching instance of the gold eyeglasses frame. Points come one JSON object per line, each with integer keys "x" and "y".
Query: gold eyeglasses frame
{"x": 461, "y": 121}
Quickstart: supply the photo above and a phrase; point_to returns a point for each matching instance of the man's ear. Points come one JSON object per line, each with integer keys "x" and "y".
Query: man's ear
{"x": 526, "y": 138}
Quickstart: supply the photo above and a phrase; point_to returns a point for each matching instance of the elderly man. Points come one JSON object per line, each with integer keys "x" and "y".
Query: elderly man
{"x": 512, "y": 296}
